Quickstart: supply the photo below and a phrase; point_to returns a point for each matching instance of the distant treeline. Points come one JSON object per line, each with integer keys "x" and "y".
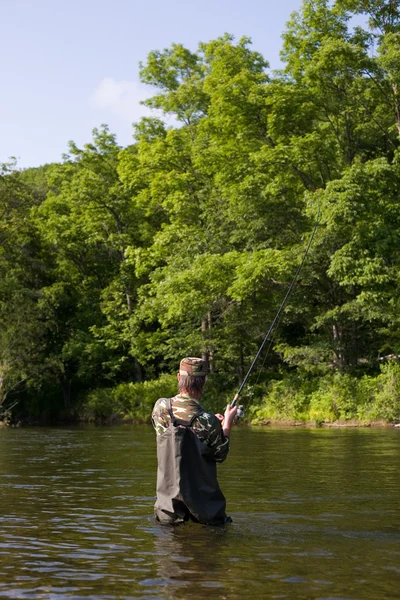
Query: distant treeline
{"x": 118, "y": 261}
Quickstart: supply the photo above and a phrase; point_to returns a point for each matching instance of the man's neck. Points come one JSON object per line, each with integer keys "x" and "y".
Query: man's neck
{"x": 195, "y": 396}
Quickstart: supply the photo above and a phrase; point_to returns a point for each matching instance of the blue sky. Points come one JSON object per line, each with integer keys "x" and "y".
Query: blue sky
{"x": 69, "y": 66}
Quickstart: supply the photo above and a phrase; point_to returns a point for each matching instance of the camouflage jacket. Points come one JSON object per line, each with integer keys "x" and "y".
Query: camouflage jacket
{"x": 207, "y": 426}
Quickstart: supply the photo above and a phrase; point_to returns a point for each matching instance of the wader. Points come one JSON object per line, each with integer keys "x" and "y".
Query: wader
{"x": 187, "y": 486}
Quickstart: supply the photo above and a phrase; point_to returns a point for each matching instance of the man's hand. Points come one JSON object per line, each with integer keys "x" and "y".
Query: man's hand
{"x": 229, "y": 417}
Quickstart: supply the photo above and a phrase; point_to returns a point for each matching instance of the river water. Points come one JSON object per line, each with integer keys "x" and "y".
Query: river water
{"x": 316, "y": 516}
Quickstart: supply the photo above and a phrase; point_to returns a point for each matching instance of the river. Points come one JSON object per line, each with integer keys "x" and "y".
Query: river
{"x": 316, "y": 516}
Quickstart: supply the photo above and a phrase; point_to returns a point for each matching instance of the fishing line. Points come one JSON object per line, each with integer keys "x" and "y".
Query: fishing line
{"x": 274, "y": 324}
{"x": 265, "y": 358}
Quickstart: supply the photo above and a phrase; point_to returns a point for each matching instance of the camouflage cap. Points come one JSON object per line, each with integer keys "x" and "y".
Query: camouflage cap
{"x": 196, "y": 367}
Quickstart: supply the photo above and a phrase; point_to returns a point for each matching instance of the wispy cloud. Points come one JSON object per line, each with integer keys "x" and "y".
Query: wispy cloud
{"x": 121, "y": 98}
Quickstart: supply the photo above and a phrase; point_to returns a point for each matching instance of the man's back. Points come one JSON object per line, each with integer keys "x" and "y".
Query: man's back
{"x": 206, "y": 425}
{"x": 187, "y": 486}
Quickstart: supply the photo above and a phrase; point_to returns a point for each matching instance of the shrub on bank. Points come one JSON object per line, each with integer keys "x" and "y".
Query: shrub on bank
{"x": 285, "y": 399}
{"x": 384, "y": 392}
{"x": 328, "y": 399}
{"x": 134, "y": 401}
{"x": 129, "y": 401}
{"x": 100, "y": 405}
{"x": 332, "y": 398}
{"x": 336, "y": 398}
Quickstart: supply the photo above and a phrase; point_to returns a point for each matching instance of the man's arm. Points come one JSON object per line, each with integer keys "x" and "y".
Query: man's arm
{"x": 215, "y": 434}
{"x": 160, "y": 416}
{"x": 229, "y": 417}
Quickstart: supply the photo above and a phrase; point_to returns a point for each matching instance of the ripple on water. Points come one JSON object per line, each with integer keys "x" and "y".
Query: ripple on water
{"x": 309, "y": 521}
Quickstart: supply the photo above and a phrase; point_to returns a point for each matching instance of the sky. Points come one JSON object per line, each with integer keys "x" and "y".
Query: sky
{"x": 70, "y": 65}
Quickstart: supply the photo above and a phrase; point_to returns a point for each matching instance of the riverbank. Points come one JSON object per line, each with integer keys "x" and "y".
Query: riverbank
{"x": 351, "y": 423}
{"x": 331, "y": 400}
{"x": 272, "y": 423}
{"x": 295, "y": 400}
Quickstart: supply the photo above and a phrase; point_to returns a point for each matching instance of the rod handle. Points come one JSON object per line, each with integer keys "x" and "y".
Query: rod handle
{"x": 236, "y": 398}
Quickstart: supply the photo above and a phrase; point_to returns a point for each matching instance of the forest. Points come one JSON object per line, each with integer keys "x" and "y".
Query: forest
{"x": 118, "y": 261}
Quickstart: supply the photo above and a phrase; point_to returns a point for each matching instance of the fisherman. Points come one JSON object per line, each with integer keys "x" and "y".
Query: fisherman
{"x": 190, "y": 441}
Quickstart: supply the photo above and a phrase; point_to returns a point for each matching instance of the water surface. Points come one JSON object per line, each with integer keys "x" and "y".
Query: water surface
{"x": 316, "y": 516}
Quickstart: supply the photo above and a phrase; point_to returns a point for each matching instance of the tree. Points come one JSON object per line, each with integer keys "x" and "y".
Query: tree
{"x": 22, "y": 272}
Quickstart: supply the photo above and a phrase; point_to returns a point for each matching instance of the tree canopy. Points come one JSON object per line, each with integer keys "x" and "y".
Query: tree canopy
{"x": 118, "y": 261}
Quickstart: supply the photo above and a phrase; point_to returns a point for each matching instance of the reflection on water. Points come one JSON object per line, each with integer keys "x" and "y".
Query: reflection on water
{"x": 316, "y": 515}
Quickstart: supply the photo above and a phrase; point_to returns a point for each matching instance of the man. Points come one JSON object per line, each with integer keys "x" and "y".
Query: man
{"x": 190, "y": 441}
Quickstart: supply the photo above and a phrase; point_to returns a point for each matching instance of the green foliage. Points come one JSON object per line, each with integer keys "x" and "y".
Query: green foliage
{"x": 379, "y": 397}
{"x": 286, "y": 399}
{"x": 119, "y": 261}
{"x": 128, "y": 401}
{"x": 333, "y": 397}
{"x": 134, "y": 401}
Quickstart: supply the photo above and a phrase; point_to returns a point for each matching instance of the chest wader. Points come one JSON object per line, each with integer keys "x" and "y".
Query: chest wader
{"x": 187, "y": 486}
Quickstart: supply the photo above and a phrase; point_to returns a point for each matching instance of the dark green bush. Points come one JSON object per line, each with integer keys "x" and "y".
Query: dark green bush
{"x": 128, "y": 401}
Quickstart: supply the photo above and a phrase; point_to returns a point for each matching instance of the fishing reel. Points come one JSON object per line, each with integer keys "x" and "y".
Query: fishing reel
{"x": 240, "y": 413}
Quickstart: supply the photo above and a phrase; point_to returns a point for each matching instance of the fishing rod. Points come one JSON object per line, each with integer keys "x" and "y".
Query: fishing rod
{"x": 269, "y": 335}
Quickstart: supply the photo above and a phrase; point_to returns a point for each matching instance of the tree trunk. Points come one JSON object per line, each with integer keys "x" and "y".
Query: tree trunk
{"x": 128, "y": 301}
{"x": 338, "y": 355}
{"x": 210, "y": 352}
{"x": 137, "y": 369}
{"x": 207, "y": 354}
{"x": 2, "y": 395}
{"x": 67, "y": 394}
{"x": 204, "y": 354}
{"x": 353, "y": 349}
{"x": 396, "y": 106}
{"x": 3, "y": 392}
